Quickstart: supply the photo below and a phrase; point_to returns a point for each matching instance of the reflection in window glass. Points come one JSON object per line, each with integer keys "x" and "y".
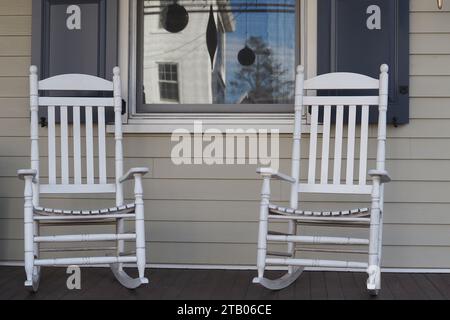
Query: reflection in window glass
{"x": 168, "y": 82}
{"x": 219, "y": 51}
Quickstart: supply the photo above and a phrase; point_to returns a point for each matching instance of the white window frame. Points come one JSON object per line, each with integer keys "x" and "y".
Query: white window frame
{"x": 166, "y": 123}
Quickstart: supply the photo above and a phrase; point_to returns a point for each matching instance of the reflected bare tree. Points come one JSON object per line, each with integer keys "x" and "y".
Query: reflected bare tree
{"x": 266, "y": 81}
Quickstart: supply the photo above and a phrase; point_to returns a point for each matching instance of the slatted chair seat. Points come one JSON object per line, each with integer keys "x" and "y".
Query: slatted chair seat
{"x": 355, "y": 213}
{"x": 128, "y": 208}
{"x": 337, "y": 153}
{"x": 76, "y": 161}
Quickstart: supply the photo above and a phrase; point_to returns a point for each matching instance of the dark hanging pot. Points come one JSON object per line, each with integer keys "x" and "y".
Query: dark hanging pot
{"x": 174, "y": 18}
{"x": 211, "y": 36}
{"x": 246, "y": 56}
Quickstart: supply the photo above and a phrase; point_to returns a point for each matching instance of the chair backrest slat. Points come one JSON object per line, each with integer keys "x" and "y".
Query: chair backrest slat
{"x": 313, "y": 144}
{"x": 351, "y": 144}
{"x": 338, "y": 144}
{"x": 89, "y": 145}
{"x": 77, "y": 145}
{"x": 325, "y": 144}
{"x": 364, "y": 141}
{"x": 64, "y": 145}
{"x": 51, "y": 145}
{"x": 77, "y": 106}
{"x": 345, "y": 113}
{"x": 101, "y": 145}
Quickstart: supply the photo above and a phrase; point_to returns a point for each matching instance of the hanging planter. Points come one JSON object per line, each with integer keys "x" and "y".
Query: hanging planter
{"x": 246, "y": 56}
{"x": 174, "y": 18}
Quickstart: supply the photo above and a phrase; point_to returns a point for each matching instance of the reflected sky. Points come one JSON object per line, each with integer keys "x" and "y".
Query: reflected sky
{"x": 274, "y": 23}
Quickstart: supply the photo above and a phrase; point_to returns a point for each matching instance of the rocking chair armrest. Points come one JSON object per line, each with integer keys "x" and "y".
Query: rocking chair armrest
{"x": 23, "y": 173}
{"x": 383, "y": 174}
{"x": 130, "y": 174}
{"x": 269, "y": 172}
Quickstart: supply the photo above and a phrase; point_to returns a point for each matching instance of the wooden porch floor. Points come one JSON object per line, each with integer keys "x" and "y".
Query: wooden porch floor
{"x": 99, "y": 283}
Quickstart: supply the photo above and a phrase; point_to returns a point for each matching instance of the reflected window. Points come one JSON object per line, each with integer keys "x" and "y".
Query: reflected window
{"x": 225, "y": 55}
{"x": 168, "y": 82}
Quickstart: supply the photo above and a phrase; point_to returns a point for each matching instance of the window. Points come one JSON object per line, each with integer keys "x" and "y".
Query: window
{"x": 168, "y": 82}
{"x": 224, "y": 56}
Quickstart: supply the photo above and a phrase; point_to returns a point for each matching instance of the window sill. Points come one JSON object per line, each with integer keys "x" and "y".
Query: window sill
{"x": 168, "y": 123}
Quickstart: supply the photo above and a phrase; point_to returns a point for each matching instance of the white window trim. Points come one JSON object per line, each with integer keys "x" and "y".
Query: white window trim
{"x": 167, "y": 123}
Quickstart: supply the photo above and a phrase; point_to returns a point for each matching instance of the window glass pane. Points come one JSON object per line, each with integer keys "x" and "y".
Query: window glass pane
{"x": 218, "y": 51}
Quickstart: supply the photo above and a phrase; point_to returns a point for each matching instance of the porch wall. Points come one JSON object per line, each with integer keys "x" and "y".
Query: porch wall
{"x": 207, "y": 215}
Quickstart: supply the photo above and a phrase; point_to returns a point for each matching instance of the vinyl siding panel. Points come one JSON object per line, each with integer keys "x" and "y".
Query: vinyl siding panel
{"x": 16, "y": 7}
{"x": 15, "y": 46}
{"x": 15, "y": 25}
{"x": 208, "y": 214}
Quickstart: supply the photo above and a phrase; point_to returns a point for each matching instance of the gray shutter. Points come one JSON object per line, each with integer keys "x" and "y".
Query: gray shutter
{"x": 346, "y": 44}
{"x": 90, "y": 49}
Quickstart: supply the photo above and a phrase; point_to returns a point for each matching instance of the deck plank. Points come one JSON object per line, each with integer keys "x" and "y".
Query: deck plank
{"x": 334, "y": 288}
{"x": 200, "y": 285}
{"x": 223, "y": 288}
{"x": 360, "y": 283}
{"x": 412, "y": 290}
{"x": 385, "y": 293}
{"x": 439, "y": 282}
{"x": 14, "y": 286}
{"x": 99, "y": 283}
{"x": 318, "y": 286}
{"x": 157, "y": 280}
{"x": 303, "y": 287}
{"x": 52, "y": 285}
{"x": 393, "y": 283}
{"x": 287, "y": 293}
{"x": 241, "y": 285}
{"x": 427, "y": 287}
{"x": 350, "y": 288}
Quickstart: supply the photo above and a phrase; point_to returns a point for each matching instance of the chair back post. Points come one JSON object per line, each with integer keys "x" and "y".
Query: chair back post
{"x": 118, "y": 135}
{"x": 383, "y": 106}
{"x": 296, "y": 145}
{"x": 34, "y": 134}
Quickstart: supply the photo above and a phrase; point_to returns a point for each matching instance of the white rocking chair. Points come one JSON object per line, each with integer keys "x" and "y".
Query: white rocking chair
{"x": 80, "y": 183}
{"x": 324, "y": 183}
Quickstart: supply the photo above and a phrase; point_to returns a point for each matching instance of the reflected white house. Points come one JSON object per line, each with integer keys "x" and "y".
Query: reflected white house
{"x": 177, "y": 66}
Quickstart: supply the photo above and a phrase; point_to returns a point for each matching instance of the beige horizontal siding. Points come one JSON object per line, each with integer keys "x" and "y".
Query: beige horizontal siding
{"x": 15, "y": 25}
{"x": 14, "y": 66}
{"x": 15, "y": 46}
{"x": 208, "y": 214}
{"x": 426, "y": 6}
{"x": 15, "y": 8}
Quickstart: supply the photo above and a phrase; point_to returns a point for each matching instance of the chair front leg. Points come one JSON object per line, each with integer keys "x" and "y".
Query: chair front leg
{"x": 140, "y": 225}
{"x": 374, "y": 271}
{"x": 29, "y": 229}
{"x": 380, "y": 229}
{"x": 263, "y": 226}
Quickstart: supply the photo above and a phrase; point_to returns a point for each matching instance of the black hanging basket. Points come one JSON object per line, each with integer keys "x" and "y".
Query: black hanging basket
{"x": 246, "y": 56}
{"x": 174, "y": 18}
